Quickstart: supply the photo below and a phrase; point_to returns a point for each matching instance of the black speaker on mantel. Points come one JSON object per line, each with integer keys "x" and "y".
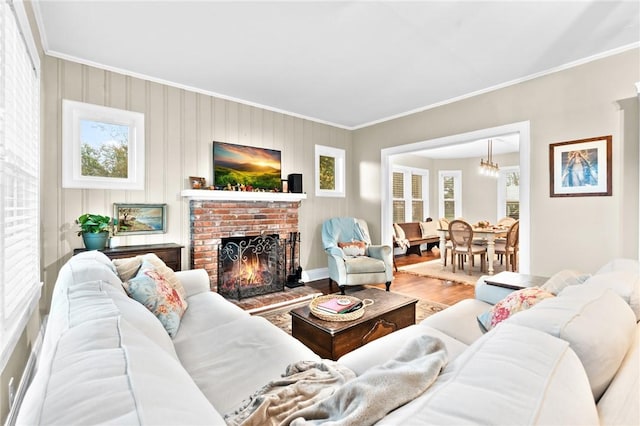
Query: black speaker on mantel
{"x": 295, "y": 183}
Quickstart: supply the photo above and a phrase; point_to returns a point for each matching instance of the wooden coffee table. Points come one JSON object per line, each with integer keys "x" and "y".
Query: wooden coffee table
{"x": 332, "y": 339}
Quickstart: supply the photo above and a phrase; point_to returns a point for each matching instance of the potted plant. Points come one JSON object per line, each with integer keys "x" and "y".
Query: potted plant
{"x": 94, "y": 229}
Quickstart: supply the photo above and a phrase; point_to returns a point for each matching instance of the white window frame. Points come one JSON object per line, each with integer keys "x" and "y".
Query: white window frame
{"x": 408, "y": 193}
{"x": 457, "y": 191}
{"x": 502, "y": 189}
{"x": 13, "y": 323}
{"x": 73, "y": 113}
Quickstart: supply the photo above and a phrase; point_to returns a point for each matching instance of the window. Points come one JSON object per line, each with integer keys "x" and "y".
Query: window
{"x": 450, "y": 193}
{"x": 410, "y": 194}
{"x": 509, "y": 192}
{"x": 19, "y": 176}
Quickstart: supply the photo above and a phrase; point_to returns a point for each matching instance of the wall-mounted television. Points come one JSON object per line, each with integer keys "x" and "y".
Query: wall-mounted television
{"x": 248, "y": 165}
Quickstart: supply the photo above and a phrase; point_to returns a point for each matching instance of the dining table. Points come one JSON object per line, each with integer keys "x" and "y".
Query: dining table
{"x": 487, "y": 234}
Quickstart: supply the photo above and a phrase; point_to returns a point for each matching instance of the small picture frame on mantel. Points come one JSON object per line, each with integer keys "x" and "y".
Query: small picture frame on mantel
{"x": 197, "y": 182}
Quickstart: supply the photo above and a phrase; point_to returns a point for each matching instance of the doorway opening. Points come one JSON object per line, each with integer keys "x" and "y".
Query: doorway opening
{"x": 521, "y": 129}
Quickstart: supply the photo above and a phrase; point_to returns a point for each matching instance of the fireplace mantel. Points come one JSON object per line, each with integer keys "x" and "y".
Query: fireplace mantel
{"x": 204, "y": 194}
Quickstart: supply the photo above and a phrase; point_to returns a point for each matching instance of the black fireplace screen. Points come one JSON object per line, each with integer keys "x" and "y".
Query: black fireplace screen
{"x": 251, "y": 266}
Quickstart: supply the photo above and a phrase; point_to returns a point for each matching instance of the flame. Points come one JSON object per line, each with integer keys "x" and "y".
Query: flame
{"x": 249, "y": 273}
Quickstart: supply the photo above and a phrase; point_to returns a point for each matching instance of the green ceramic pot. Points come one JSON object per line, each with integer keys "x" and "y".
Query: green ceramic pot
{"x": 95, "y": 241}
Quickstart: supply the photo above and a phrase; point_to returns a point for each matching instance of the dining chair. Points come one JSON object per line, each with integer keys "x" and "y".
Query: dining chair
{"x": 509, "y": 248}
{"x": 461, "y": 234}
{"x": 448, "y": 246}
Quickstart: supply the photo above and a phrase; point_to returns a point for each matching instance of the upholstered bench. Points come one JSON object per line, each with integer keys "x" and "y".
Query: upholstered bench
{"x": 417, "y": 233}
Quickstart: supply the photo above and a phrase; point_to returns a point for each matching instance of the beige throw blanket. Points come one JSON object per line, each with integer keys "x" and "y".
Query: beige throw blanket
{"x": 303, "y": 384}
{"x": 317, "y": 393}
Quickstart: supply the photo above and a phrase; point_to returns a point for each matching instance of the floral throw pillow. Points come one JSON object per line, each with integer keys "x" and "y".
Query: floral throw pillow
{"x": 166, "y": 272}
{"x": 152, "y": 290}
{"x": 353, "y": 248}
{"x": 517, "y": 301}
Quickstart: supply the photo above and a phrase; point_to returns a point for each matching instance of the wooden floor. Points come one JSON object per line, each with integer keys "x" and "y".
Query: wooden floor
{"x": 415, "y": 286}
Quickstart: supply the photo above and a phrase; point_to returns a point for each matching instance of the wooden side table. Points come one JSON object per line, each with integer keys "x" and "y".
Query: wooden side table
{"x": 170, "y": 253}
{"x": 514, "y": 280}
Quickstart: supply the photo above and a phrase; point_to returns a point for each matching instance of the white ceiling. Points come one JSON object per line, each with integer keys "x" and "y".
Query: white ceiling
{"x": 349, "y": 63}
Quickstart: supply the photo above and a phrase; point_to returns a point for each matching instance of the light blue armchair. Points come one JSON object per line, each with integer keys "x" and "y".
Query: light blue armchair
{"x": 374, "y": 267}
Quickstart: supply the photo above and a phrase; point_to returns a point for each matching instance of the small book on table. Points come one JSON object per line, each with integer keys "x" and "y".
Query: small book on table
{"x": 337, "y": 306}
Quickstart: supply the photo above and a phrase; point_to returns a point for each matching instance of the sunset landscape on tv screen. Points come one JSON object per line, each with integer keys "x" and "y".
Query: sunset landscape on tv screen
{"x": 251, "y": 166}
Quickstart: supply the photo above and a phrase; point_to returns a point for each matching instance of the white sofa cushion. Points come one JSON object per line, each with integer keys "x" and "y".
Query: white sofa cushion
{"x": 624, "y": 280}
{"x": 459, "y": 320}
{"x": 104, "y": 370}
{"x": 597, "y": 323}
{"x": 619, "y": 405}
{"x": 380, "y": 351}
{"x": 512, "y": 375}
{"x": 194, "y": 281}
{"x": 562, "y": 279}
{"x": 89, "y": 266}
{"x": 231, "y": 361}
{"x": 206, "y": 312}
{"x": 625, "y": 283}
{"x": 144, "y": 320}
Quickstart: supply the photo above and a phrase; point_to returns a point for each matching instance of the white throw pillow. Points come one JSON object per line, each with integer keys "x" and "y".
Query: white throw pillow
{"x": 621, "y": 264}
{"x": 596, "y": 322}
{"x": 560, "y": 280}
{"x": 400, "y": 235}
{"x": 624, "y": 283}
{"x": 429, "y": 229}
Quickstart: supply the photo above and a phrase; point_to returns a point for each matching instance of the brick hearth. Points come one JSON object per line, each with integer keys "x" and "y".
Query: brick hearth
{"x": 213, "y": 220}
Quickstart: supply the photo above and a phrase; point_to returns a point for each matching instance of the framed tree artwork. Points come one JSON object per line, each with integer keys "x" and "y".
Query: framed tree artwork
{"x": 135, "y": 219}
{"x": 580, "y": 168}
{"x": 330, "y": 171}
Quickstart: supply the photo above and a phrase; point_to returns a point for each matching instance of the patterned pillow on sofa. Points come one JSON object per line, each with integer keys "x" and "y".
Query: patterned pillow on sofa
{"x": 515, "y": 302}
{"x": 151, "y": 289}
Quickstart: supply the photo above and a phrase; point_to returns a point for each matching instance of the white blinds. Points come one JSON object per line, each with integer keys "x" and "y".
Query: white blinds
{"x": 19, "y": 179}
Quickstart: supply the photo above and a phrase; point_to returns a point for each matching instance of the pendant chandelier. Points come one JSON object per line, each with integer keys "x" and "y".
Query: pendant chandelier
{"x": 489, "y": 168}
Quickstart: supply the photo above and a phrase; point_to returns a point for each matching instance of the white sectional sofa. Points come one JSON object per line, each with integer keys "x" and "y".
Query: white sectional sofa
{"x": 572, "y": 359}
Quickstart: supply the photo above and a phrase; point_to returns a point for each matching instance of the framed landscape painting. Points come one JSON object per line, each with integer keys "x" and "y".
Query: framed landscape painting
{"x": 580, "y": 168}
{"x": 102, "y": 147}
{"x": 135, "y": 219}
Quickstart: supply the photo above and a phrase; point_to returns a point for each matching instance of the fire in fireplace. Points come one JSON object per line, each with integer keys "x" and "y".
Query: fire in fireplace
{"x": 251, "y": 266}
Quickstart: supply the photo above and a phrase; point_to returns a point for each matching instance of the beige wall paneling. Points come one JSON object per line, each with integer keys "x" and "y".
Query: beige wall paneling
{"x": 71, "y": 86}
{"x": 579, "y": 102}
{"x": 180, "y": 127}
{"x": 175, "y": 172}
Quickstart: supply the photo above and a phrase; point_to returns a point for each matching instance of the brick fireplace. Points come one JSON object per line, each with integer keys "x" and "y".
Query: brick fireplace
{"x": 245, "y": 214}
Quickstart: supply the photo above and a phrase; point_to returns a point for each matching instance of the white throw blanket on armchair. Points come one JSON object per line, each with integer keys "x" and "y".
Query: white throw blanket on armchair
{"x": 314, "y": 393}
